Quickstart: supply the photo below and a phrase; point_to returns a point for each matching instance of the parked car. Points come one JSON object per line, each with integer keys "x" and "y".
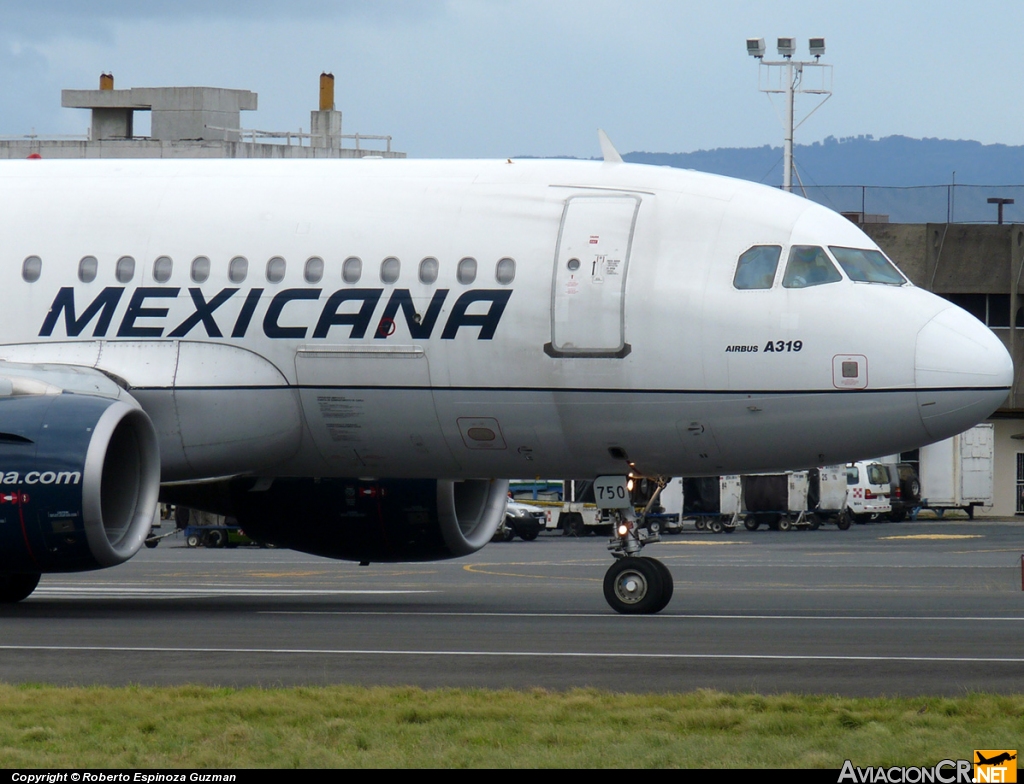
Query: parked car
{"x": 867, "y": 490}
{"x": 904, "y": 490}
{"x": 522, "y": 520}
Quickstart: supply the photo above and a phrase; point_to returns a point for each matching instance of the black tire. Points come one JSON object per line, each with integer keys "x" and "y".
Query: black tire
{"x": 574, "y": 525}
{"x": 716, "y": 526}
{"x": 634, "y": 586}
{"x": 508, "y": 533}
{"x": 215, "y": 538}
{"x": 192, "y": 541}
{"x": 15, "y": 587}
{"x": 729, "y": 529}
{"x": 861, "y": 519}
{"x": 529, "y": 534}
{"x": 667, "y": 584}
{"x": 843, "y": 520}
{"x": 152, "y": 543}
{"x": 785, "y": 524}
{"x": 814, "y": 522}
{"x": 913, "y": 490}
{"x": 700, "y": 524}
{"x": 751, "y": 523}
{"x": 898, "y": 515}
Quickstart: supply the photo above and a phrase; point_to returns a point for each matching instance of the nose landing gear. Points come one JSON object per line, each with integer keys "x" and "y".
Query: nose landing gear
{"x": 634, "y": 584}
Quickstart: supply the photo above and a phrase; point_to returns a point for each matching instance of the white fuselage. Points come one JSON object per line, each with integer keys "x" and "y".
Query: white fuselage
{"x": 644, "y": 349}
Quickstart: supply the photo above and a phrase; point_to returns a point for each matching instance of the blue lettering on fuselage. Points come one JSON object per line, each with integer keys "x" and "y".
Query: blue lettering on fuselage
{"x": 335, "y": 315}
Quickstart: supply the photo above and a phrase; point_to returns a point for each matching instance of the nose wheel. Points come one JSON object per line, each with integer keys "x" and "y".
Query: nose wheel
{"x": 637, "y": 585}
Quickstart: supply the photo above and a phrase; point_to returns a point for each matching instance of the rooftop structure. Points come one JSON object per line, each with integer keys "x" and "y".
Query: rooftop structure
{"x": 194, "y": 122}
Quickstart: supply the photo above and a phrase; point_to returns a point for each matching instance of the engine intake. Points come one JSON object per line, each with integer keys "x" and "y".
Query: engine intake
{"x": 357, "y": 520}
{"x": 79, "y": 482}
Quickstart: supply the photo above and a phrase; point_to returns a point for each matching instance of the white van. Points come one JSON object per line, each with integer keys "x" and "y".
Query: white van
{"x": 867, "y": 490}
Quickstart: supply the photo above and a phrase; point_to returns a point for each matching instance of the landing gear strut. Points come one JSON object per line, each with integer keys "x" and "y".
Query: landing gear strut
{"x": 634, "y": 584}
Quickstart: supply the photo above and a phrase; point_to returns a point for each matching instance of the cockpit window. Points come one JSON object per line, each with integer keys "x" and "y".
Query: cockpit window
{"x": 867, "y": 266}
{"x": 756, "y": 267}
{"x": 809, "y": 265}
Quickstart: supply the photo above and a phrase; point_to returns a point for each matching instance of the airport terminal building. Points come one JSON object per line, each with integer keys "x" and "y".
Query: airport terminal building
{"x": 978, "y": 267}
{"x": 195, "y": 122}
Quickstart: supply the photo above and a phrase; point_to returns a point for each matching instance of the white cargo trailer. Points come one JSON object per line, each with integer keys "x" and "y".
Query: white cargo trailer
{"x": 832, "y": 489}
{"x": 957, "y": 473}
{"x": 731, "y": 489}
{"x": 671, "y": 499}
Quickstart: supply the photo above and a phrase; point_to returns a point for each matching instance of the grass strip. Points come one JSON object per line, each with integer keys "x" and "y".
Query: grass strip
{"x": 348, "y": 726}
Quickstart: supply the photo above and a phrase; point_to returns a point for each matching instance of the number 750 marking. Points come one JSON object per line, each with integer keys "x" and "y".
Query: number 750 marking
{"x": 611, "y": 492}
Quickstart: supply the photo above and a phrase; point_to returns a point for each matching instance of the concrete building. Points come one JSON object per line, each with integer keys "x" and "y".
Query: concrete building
{"x": 979, "y": 267}
{"x": 195, "y": 122}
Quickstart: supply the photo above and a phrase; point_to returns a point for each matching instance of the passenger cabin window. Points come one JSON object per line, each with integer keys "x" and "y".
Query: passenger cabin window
{"x": 125, "y": 269}
{"x": 352, "y": 270}
{"x": 162, "y": 269}
{"x": 428, "y": 270}
{"x": 390, "y": 269}
{"x": 505, "y": 271}
{"x": 867, "y": 266}
{"x": 756, "y": 267}
{"x": 314, "y": 269}
{"x": 238, "y": 268}
{"x": 276, "y": 269}
{"x": 31, "y": 269}
{"x": 200, "y": 269}
{"x": 87, "y": 268}
{"x": 809, "y": 265}
{"x": 466, "y": 272}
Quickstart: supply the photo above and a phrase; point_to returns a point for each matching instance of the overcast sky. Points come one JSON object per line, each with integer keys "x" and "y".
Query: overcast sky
{"x": 483, "y": 78}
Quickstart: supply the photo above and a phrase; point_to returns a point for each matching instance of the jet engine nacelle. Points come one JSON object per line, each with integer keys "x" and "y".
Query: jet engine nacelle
{"x": 359, "y": 520}
{"x": 79, "y": 481}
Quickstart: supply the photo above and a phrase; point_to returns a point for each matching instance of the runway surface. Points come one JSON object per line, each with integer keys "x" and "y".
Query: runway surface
{"x": 913, "y": 608}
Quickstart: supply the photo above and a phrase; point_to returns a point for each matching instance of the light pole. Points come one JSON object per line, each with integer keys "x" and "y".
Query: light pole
{"x": 786, "y": 77}
{"x": 1000, "y": 203}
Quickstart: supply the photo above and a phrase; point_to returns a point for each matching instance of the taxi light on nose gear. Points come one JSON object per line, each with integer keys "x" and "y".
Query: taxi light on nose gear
{"x": 623, "y": 530}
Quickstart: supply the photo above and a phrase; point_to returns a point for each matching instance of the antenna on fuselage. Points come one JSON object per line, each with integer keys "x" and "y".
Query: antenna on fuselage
{"x": 608, "y": 151}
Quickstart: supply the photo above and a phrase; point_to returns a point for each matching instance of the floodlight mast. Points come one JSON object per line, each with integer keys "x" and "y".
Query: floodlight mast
{"x": 790, "y": 81}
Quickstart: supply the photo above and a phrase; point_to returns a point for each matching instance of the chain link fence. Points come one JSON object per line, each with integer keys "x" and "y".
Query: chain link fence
{"x": 921, "y": 204}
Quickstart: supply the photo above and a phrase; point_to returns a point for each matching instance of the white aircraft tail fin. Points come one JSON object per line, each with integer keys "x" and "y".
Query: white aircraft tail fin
{"x": 608, "y": 151}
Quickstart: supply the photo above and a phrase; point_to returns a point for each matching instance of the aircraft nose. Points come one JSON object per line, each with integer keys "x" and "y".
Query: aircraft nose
{"x": 962, "y": 371}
